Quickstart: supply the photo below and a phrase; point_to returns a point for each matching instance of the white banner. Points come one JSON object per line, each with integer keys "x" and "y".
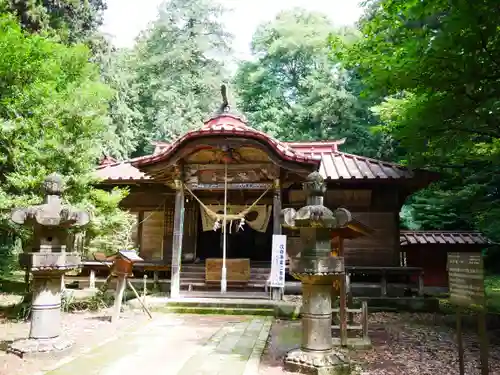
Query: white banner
{"x": 278, "y": 259}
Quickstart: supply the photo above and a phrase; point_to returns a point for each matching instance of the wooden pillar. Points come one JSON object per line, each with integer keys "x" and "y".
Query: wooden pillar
{"x": 342, "y": 299}
{"x": 383, "y": 284}
{"x": 350, "y": 315}
{"x": 364, "y": 319}
{"x": 421, "y": 284}
{"x": 119, "y": 293}
{"x": 277, "y": 293}
{"x": 175, "y": 283}
{"x": 92, "y": 279}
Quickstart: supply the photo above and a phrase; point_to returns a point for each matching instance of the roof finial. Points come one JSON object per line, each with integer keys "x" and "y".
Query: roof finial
{"x": 225, "y": 104}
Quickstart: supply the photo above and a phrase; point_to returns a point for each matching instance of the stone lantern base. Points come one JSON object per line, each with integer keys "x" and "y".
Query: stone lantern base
{"x": 317, "y": 363}
{"x": 28, "y": 348}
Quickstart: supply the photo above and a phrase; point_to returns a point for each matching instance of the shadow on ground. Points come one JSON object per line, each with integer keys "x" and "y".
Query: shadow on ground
{"x": 12, "y": 286}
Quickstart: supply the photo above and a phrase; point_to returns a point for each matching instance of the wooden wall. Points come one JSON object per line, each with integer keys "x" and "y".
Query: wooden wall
{"x": 153, "y": 235}
{"x": 377, "y": 207}
{"x": 433, "y": 259}
{"x": 379, "y": 249}
{"x": 155, "y": 217}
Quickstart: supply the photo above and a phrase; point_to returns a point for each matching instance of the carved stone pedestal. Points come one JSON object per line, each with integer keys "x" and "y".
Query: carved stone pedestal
{"x": 316, "y": 363}
{"x": 29, "y": 348}
{"x": 316, "y": 355}
{"x": 46, "y": 305}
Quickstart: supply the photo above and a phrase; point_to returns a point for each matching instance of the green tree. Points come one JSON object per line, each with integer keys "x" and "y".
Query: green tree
{"x": 436, "y": 62}
{"x": 179, "y": 64}
{"x": 126, "y": 126}
{"x": 73, "y": 21}
{"x": 294, "y": 90}
{"x": 53, "y": 118}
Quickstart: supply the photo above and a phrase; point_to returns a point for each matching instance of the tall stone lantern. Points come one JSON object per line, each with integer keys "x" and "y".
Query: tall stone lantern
{"x": 316, "y": 268}
{"x": 48, "y": 260}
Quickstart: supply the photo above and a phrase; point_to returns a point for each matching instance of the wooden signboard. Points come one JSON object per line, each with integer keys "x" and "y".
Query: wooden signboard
{"x": 238, "y": 270}
{"x": 466, "y": 284}
{"x": 232, "y": 186}
{"x": 466, "y": 279}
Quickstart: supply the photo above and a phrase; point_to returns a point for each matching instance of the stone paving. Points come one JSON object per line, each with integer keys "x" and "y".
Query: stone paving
{"x": 179, "y": 344}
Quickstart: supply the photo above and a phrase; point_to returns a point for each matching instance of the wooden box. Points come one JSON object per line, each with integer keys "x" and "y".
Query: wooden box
{"x": 238, "y": 270}
{"x": 122, "y": 267}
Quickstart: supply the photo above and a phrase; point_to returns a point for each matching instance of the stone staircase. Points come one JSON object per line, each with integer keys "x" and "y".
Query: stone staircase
{"x": 193, "y": 277}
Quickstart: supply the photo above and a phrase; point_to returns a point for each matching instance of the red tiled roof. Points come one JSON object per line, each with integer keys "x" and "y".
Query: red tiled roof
{"x": 333, "y": 164}
{"x": 342, "y": 166}
{"x": 229, "y": 125}
{"x": 106, "y": 160}
{"x": 407, "y": 238}
{"x": 120, "y": 171}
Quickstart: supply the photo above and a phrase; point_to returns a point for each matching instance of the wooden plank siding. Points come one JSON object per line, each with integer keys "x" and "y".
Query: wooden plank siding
{"x": 153, "y": 235}
{"x": 374, "y": 206}
{"x": 380, "y": 248}
{"x": 190, "y": 237}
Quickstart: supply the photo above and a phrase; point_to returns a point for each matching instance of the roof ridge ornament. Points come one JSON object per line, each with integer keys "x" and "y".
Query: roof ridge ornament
{"x": 225, "y": 107}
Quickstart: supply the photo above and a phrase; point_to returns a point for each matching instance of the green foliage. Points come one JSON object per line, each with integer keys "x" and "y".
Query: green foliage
{"x": 125, "y": 130}
{"x": 110, "y": 229}
{"x": 435, "y": 64}
{"x": 97, "y": 302}
{"x": 294, "y": 91}
{"x": 73, "y": 21}
{"x": 53, "y": 118}
{"x": 179, "y": 67}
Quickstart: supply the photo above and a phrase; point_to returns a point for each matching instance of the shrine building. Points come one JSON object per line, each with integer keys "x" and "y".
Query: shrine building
{"x": 177, "y": 192}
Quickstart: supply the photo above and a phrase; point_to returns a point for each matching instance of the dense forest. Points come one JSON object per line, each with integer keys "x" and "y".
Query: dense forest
{"x": 412, "y": 82}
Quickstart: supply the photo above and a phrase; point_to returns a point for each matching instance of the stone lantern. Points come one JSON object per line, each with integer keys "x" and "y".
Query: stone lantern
{"x": 48, "y": 260}
{"x": 316, "y": 268}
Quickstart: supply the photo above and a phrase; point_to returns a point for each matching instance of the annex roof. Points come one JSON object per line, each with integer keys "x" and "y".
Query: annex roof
{"x": 408, "y": 238}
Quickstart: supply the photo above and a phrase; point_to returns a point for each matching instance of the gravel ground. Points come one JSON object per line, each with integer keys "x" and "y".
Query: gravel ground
{"x": 403, "y": 343}
{"x": 86, "y": 329}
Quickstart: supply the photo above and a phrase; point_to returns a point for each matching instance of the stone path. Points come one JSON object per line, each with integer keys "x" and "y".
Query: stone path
{"x": 179, "y": 344}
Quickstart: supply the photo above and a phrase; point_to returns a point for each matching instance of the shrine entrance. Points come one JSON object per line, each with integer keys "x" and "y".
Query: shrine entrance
{"x": 234, "y": 174}
{"x": 244, "y": 243}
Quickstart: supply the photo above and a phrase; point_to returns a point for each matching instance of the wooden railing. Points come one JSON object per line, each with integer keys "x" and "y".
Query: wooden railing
{"x": 383, "y": 272}
{"x": 363, "y": 327}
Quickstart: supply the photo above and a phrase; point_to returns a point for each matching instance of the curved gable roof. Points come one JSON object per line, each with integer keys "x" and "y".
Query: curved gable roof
{"x": 231, "y": 126}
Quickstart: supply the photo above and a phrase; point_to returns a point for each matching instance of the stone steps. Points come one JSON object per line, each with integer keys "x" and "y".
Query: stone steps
{"x": 193, "y": 278}
{"x": 230, "y": 304}
{"x": 217, "y": 310}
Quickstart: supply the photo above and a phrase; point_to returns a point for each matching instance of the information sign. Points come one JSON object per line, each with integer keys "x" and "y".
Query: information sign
{"x": 278, "y": 259}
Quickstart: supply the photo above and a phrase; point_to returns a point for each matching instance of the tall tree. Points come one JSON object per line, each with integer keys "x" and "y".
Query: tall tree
{"x": 180, "y": 65}
{"x": 293, "y": 90}
{"x": 73, "y": 21}
{"x": 125, "y": 129}
{"x": 53, "y": 117}
{"x": 440, "y": 61}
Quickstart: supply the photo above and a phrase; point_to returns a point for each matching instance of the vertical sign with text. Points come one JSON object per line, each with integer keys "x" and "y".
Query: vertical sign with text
{"x": 278, "y": 259}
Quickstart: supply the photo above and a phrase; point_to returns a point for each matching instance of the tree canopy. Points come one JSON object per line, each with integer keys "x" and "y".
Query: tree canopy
{"x": 53, "y": 118}
{"x": 436, "y": 64}
{"x": 414, "y": 82}
{"x": 294, "y": 91}
{"x": 178, "y": 66}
